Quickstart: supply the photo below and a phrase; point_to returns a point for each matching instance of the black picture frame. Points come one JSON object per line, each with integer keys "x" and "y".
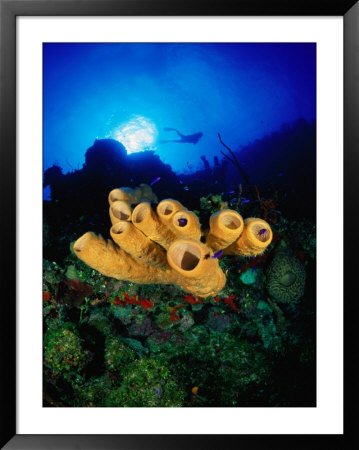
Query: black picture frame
{"x": 9, "y": 10}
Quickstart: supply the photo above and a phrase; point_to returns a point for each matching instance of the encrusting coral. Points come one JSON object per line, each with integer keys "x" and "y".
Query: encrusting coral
{"x": 285, "y": 276}
{"x": 165, "y": 247}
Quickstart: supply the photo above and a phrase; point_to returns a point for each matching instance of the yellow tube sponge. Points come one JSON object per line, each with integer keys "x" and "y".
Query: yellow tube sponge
{"x": 146, "y": 220}
{"x": 147, "y": 193}
{"x": 198, "y": 272}
{"x": 133, "y": 196}
{"x": 120, "y": 210}
{"x": 225, "y": 228}
{"x": 165, "y": 247}
{"x": 125, "y": 194}
{"x": 186, "y": 224}
{"x": 166, "y": 210}
{"x": 136, "y": 244}
{"x": 111, "y": 261}
{"x": 256, "y": 237}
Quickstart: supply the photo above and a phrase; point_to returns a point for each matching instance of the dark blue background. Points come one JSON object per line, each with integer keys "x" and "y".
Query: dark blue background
{"x": 243, "y": 91}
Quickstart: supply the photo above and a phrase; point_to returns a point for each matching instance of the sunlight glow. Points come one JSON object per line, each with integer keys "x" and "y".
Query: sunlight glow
{"x": 137, "y": 134}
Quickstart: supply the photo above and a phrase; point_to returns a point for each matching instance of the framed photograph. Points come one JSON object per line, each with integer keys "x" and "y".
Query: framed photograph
{"x": 168, "y": 173}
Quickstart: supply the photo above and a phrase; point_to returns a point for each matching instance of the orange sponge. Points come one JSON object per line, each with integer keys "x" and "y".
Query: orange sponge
{"x": 225, "y": 227}
{"x": 125, "y": 194}
{"x": 147, "y": 194}
{"x": 256, "y": 237}
{"x": 142, "y": 238}
{"x": 166, "y": 210}
{"x": 197, "y": 271}
{"x": 136, "y": 244}
{"x": 132, "y": 196}
{"x": 186, "y": 224}
{"x": 146, "y": 220}
{"x": 112, "y": 261}
{"x": 120, "y": 210}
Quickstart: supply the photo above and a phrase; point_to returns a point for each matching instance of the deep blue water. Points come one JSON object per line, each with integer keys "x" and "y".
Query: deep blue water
{"x": 243, "y": 91}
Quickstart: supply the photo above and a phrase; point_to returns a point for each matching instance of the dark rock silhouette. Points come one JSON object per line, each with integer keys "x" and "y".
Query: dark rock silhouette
{"x": 206, "y": 163}
{"x": 284, "y": 161}
{"x": 106, "y": 155}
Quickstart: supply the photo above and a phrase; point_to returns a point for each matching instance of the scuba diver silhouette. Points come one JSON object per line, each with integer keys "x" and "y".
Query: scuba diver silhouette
{"x": 185, "y": 139}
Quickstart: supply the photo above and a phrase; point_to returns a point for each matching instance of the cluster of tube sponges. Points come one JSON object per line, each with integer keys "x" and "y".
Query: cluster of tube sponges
{"x": 164, "y": 246}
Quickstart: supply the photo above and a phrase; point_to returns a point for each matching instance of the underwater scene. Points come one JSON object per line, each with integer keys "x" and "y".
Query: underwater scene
{"x": 179, "y": 225}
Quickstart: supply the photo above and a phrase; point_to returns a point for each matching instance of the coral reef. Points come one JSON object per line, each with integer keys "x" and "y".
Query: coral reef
{"x": 249, "y": 276}
{"x": 136, "y": 338}
{"x": 165, "y": 247}
{"x": 117, "y": 355}
{"x": 285, "y": 276}
{"x": 268, "y": 206}
{"x": 147, "y": 383}
{"x": 133, "y": 344}
{"x": 63, "y": 351}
